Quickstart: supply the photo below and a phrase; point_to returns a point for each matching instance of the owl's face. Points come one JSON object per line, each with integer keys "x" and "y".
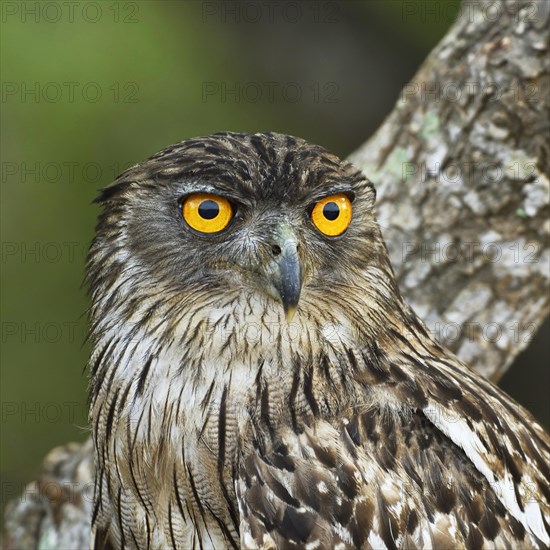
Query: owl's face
{"x": 266, "y": 219}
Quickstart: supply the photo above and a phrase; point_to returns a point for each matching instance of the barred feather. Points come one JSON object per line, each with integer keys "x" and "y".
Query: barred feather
{"x": 217, "y": 424}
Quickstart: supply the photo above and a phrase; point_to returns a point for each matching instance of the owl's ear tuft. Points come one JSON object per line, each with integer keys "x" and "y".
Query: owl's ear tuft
{"x": 107, "y": 193}
{"x": 367, "y": 188}
{"x": 371, "y": 192}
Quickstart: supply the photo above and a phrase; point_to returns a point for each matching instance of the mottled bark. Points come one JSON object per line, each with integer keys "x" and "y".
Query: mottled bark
{"x": 55, "y": 511}
{"x": 461, "y": 166}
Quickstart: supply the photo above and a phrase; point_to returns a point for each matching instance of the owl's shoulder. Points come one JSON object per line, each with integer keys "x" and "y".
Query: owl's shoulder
{"x": 373, "y": 478}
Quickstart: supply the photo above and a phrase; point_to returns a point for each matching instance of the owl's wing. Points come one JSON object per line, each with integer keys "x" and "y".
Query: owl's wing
{"x": 500, "y": 438}
{"x": 372, "y": 480}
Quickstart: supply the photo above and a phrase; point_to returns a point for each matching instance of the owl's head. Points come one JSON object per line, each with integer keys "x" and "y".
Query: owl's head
{"x": 262, "y": 218}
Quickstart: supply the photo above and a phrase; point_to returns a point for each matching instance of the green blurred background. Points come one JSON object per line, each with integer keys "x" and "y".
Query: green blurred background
{"x": 91, "y": 88}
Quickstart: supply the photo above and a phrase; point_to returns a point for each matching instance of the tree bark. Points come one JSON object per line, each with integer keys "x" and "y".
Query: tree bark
{"x": 461, "y": 168}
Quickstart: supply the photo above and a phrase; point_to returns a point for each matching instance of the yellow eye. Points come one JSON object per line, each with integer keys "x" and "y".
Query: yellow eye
{"x": 207, "y": 213}
{"x": 332, "y": 215}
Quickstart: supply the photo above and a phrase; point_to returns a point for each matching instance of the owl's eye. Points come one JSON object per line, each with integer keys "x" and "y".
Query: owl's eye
{"x": 332, "y": 215}
{"x": 207, "y": 213}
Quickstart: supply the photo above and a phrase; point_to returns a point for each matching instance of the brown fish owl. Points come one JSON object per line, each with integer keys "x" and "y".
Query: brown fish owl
{"x": 258, "y": 382}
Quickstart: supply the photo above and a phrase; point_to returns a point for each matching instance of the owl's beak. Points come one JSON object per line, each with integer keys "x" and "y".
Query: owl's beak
{"x": 285, "y": 273}
{"x": 290, "y": 284}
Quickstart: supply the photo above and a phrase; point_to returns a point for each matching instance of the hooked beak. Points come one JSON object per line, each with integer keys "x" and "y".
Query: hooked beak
{"x": 285, "y": 271}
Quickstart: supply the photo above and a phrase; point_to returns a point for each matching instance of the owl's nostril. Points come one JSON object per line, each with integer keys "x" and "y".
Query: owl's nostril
{"x": 276, "y": 249}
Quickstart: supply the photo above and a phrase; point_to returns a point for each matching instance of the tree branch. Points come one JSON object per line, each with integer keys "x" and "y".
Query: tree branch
{"x": 461, "y": 167}
{"x": 56, "y": 510}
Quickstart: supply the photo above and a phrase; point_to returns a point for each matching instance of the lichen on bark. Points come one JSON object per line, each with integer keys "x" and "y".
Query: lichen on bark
{"x": 461, "y": 169}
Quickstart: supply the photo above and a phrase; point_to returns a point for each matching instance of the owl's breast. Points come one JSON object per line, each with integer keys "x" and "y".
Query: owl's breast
{"x": 184, "y": 409}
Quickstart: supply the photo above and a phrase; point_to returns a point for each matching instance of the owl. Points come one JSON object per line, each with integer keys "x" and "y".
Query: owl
{"x": 258, "y": 382}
